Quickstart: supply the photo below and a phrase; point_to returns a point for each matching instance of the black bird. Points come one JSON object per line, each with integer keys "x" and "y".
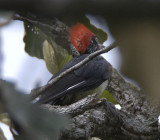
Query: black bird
{"x": 93, "y": 77}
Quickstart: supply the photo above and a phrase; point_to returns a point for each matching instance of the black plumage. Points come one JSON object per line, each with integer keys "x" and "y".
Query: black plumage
{"x": 88, "y": 77}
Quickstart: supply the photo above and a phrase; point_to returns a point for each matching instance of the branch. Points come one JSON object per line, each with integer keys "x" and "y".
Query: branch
{"x": 96, "y": 117}
{"x": 88, "y": 115}
{"x": 138, "y": 118}
{"x": 132, "y": 99}
{"x": 36, "y": 92}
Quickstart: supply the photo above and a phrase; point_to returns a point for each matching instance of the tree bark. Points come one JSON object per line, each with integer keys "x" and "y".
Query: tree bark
{"x": 92, "y": 117}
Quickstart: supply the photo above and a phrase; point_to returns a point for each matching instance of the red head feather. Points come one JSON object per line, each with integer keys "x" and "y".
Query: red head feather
{"x": 80, "y": 37}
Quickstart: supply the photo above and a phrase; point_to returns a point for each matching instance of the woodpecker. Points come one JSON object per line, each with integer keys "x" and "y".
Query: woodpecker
{"x": 93, "y": 77}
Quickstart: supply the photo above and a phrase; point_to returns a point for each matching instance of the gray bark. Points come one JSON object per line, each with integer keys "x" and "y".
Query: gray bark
{"x": 92, "y": 117}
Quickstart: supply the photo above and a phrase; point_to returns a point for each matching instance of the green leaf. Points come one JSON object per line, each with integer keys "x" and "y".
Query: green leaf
{"x": 101, "y": 35}
{"x": 33, "y": 40}
{"x": 108, "y": 96}
{"x": 55, "y": 56}
{"x": 62, "y": 56}
{"x": 36, "y": 122}
{"x": 40, "y": 45}
{"x": 49, "y": 57}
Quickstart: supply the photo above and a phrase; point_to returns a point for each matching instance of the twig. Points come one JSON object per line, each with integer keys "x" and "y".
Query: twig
{"x": 36, "y": 92}
{"x": 25, "y": 19}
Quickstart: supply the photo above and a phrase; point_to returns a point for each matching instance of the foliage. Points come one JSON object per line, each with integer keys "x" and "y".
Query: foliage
{"x": 33, "y": 121}
{"x": 101, "y": 35}
{"x": 36, "y": 45}
{"x": 108, "y": 96}
{"x": 54, "y": 62}
{"x": 33, "y": 40}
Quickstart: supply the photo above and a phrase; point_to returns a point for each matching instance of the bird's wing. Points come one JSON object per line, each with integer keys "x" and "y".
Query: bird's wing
{"x": 88, "y": 77}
